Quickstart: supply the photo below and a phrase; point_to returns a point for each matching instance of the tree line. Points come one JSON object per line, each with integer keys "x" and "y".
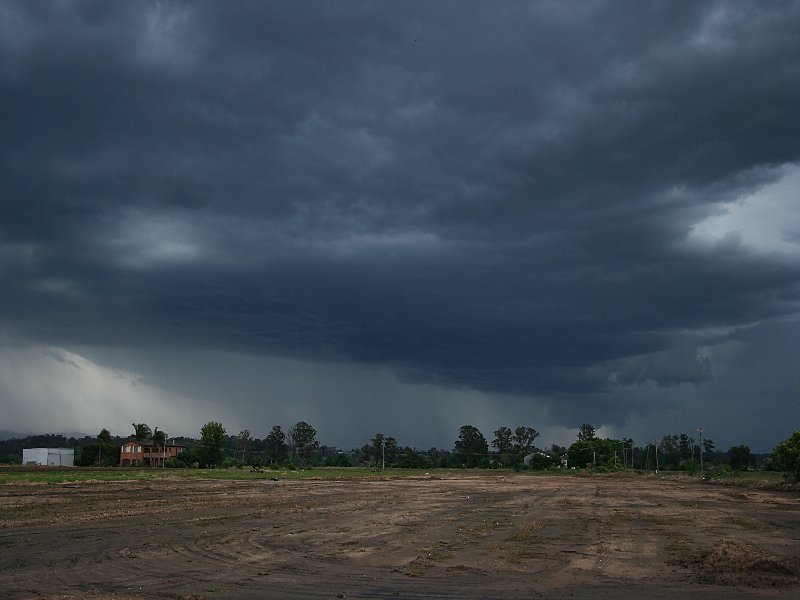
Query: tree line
{"x": 298, "y": 447}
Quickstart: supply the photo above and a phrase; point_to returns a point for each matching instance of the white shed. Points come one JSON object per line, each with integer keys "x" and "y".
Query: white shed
{"x": 60, "y": 457}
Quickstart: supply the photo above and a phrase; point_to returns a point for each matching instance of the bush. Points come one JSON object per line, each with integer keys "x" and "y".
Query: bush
{"x": 720, "y": 472}
{"x": 7, "y": 459}
{"x": 290, "y": 466}
{"x": 786, "y": 456}
{"x": 189, "y": 456}
{"x": 541, "y": 462}
{"x": 338, "y": 460}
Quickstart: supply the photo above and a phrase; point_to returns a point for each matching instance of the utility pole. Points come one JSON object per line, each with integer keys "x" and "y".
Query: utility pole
{"x": 383, "y": 454}
{"x": 655, "y": 445}
{"x": 700, "y": 431}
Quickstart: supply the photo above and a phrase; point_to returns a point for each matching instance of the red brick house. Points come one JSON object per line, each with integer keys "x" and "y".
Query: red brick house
{"x": 147, "y": 454}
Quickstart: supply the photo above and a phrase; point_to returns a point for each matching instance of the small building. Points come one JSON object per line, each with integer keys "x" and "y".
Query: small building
{"x": 59, "y": 457}
{"x": 148, "y": 454}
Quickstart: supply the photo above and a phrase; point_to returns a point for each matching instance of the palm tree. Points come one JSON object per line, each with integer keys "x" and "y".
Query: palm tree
{"x": 160, "y": 440}
{"x": 141, "y": 432}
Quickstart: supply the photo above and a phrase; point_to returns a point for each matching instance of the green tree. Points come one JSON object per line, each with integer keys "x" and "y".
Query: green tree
{"x": 523, "y": 440}
{"x": 104, "y": 437}
{"x": 739, "y": 457}
{"x": 106, "y": 455}
{"x": 365, "y": 455}
{"x": 669, "y": 452}
{"x": 685, "y": 444}
{"x": 471, "y": 448}
{"x": 708, "y": 447}
{"x": 434, "y": 456}
{"x": 503, "y": 442}
{"x": 303, "y": 442}
{"x": 211, "y": 449}
{"x": 597, "y": 452}
{"x": 241, "y": 443}
{"x": 275, "y": 443}
{"x": 383, "y": 448}
{"x": 786, "y": 456}
{"x": 586, "y": 432}
{"x": 102, "y": 453}
{"x": 581, "y": 454}
{"x": 86, "y": 456}
{"x": 411, "y": 459}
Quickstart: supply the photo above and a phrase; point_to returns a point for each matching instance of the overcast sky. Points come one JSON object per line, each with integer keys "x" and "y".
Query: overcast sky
{"x": 401, "y": 217}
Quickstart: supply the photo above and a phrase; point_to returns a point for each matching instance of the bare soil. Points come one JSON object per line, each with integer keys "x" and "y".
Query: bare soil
{"x": 460, "y": 536}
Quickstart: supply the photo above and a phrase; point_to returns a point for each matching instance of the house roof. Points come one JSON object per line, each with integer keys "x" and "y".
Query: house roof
{"x": 149, "y": 443}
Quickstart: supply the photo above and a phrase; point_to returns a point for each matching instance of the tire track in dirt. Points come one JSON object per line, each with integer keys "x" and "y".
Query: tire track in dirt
{"x": 461, "y": 537}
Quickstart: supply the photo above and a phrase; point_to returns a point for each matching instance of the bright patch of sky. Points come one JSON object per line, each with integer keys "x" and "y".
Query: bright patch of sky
{"x": 767, "y": 220}
{"x": 64, "y": 391}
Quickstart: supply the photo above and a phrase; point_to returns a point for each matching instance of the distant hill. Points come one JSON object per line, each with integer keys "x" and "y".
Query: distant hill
{"x": 7, "y": 435}
{"x": 20, "y": 435}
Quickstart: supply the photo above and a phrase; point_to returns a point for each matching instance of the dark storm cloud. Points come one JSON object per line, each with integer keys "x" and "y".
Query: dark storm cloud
{"x": 498, "y": 196}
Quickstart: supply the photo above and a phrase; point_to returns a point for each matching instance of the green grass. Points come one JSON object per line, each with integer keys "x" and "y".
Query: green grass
{"x": 57, "y": 475}
{"x": 69, "y": 475}
{"x": 768, "y": 476}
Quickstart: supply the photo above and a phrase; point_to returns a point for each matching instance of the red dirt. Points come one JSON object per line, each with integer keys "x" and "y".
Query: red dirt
{"x": 465, "y": 536}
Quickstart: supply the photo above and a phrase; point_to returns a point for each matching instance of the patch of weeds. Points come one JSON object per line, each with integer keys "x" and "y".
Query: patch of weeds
{"x": 440, "y": 551}
{"x": 735, "y": 564}
{"x": 745, "y": 523}
{"x": 656, "y": 519}
{"x": 423, "y": 562}
{"x": 416, "y": 568}
{"x": 681, "y": 550}
{"x": 518, "y": 555}
{"x": 526, "y": 532}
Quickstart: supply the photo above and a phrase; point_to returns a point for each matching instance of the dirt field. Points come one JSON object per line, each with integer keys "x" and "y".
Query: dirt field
{"x": 482, "y": 536}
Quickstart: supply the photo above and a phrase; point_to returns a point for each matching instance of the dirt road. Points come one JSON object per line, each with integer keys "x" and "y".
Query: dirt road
{"x": 483, "y": 536}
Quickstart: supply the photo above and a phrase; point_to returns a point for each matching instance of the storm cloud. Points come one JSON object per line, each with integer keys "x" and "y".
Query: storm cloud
{"x": 545, "y": 212}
